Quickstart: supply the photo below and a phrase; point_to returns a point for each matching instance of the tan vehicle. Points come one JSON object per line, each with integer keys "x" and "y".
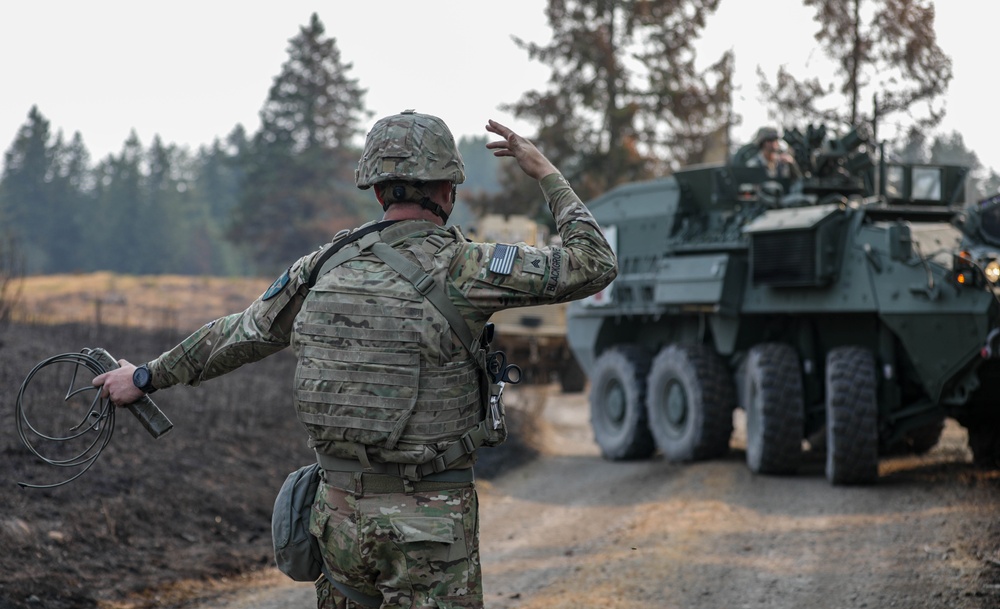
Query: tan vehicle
{"x": 532, "y": 337}
{"x": 535, "y": 339}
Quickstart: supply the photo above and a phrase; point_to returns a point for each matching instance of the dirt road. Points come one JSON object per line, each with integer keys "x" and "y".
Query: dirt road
{"x": 573, "y": 530}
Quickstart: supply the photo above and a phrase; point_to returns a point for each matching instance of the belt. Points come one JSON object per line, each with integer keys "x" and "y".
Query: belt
{"x": 365, "y": 483}
{"x": 350, "y": 475}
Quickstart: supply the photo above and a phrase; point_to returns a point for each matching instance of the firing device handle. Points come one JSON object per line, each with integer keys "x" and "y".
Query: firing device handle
{"x": 144, "y": 409}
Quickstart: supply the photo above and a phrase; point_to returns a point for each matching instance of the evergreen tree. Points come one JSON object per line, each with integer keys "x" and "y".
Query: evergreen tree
{"x": 219, "y": 174}
{"x": 39, "y": 196}
{"x": 626, "y": 99}
{"x": 884, "y": 50}
{"x": 157, "y": 211}
{"x": 72, "y": 191}
{"x": 299, "y": 187}
{"x": 119, "y": 241}
{"x": 157, "y": 205}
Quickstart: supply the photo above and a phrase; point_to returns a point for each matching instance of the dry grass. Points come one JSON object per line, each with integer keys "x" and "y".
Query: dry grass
{"x": 164, "y": 302}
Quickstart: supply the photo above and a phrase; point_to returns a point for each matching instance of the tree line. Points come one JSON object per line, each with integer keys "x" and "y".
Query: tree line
{"x": 626, "y": 100}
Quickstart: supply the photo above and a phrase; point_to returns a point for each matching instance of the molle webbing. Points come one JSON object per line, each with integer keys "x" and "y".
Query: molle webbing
{"x": 391, "y": 390}
{"x": 376, "y": 350}
{"x": 426, "y": 286}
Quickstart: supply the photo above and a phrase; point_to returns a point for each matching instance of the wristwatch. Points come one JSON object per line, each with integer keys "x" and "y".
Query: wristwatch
{"x": 143, "y": 379}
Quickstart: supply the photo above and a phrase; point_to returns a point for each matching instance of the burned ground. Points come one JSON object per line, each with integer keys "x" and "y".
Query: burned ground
{"x": 193, "y": 505}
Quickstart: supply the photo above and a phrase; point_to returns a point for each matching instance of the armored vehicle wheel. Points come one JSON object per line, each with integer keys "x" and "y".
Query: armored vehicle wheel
{"x": 851, "y": 416}
{"x": 690, "y": 400}
{"x": 772, "y": 399}
{"x": 617, "y": 404}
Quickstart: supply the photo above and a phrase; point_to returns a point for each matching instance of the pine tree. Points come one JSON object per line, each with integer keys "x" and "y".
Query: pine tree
{"x": 40, "y": 196}
{"x": 626, "y": 99}
{"x": 299, "y": 188}
{"x": 884, "y": 50}
{"x": 119, "y": 242}
{"x": 72, "y": 190}
{"x": 219, "y": 174}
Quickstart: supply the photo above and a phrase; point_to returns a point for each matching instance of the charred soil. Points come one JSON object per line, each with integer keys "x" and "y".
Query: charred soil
{"x": 153, "y": 518}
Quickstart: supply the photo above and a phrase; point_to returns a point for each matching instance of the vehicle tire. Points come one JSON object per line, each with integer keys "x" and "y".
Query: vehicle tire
{"x": 572, "y": 378}
{"x": 851, "y": 416}
{"x": 690, "y": 399}
{"x": 772, "y": 397}
{"x": 617, "y": 404}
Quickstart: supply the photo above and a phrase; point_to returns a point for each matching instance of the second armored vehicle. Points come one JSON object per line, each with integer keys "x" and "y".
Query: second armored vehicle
{"x": 830, "y": 308}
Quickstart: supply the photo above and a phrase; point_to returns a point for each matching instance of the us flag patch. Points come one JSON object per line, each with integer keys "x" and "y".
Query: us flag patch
{"x": 503, "y": 259}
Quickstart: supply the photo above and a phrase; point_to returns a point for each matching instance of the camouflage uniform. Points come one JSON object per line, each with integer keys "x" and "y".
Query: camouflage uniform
{"x": 780, "y": 168}
{"x": 418, "y": 544}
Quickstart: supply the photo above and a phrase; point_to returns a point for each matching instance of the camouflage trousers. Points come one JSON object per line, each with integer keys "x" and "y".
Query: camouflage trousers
{"x": 414, "y": 550}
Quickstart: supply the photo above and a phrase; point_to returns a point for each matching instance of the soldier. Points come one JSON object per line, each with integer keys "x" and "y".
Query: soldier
{"x": 770, "y": 156}
{"x": 386, "y": 387}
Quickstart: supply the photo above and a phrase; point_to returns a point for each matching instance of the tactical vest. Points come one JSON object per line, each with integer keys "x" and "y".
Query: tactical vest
{"x": 380, "y": 372}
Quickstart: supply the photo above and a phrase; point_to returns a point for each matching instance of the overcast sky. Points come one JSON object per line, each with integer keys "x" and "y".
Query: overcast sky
{"x": 191, "y": 70}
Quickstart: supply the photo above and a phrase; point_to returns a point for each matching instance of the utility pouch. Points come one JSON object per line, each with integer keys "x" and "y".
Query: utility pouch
{"x": 296, "y": 550}
{"x": 496, "y": 419}
{"x": 495, "y": 374}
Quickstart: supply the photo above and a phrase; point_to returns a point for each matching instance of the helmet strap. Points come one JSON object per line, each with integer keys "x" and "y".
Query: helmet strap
{"x": 408, "y": 192}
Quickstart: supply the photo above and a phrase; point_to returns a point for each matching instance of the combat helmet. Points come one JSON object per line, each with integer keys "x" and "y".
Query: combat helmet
{"x": 410, "y": 147}
{"x": 764, "y": 134}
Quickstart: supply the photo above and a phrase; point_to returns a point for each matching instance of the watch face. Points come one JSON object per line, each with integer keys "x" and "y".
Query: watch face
{"x": 141, "y": 377}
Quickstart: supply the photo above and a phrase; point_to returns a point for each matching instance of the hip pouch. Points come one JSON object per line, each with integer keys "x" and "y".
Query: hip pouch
{"x": 296, "y": 550}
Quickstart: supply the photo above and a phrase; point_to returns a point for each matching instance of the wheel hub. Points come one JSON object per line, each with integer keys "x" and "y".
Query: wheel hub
{"x": 676, "y": 404}
{"x": 615, "y": 400}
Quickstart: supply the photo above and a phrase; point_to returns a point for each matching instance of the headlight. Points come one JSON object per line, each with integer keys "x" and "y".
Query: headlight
{"x": 992, "y": 271}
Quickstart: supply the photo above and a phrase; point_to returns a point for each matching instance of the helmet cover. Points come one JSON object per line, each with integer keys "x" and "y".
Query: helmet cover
{"x": 409, "y": 147}
{"x": 765, "y": 134}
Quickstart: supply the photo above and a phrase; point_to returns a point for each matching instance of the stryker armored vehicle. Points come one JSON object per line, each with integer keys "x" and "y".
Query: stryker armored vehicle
{"x": 836, "y": 309}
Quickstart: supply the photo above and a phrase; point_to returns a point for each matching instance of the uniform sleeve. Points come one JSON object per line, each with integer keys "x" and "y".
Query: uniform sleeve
{"x": 491, "y": 276}
{"x": 221, "y": 346}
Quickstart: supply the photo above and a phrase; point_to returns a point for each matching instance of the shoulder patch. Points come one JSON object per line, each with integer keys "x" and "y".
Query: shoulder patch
{"x": 276, "y": 287}
{"x": 503, "y": 259}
